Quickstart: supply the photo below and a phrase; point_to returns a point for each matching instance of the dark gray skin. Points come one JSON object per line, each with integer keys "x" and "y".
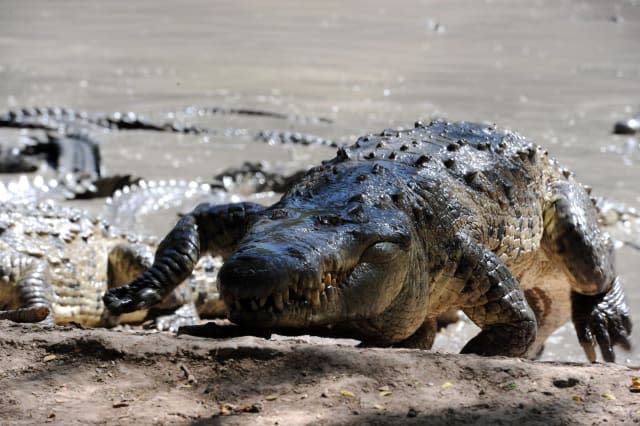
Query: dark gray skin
{"x": 401, "y": 228}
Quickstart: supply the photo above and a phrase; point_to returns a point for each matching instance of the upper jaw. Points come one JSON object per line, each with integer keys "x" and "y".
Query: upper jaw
{"x": 339, "y": 289}
{"x": 314, "y": 293}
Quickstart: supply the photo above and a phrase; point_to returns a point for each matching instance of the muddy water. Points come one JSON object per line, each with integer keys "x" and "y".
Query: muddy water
{"x": 560, "y": 72}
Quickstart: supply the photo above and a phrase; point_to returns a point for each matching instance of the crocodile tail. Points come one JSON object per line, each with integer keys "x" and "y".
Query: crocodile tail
{"x": 175, "y": 259}
{"x": 32, "y": 314}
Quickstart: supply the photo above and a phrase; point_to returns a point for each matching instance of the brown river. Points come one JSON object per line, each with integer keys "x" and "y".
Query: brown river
{"x": 560, "y": 72}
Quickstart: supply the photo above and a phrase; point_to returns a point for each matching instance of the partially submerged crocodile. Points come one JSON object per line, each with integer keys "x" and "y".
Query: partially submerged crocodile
{"x": 74, "y": 168}
{"x": 74, "y": 154}
{"x": 57, "y": 262}
{"x": 400, "y": 228}
{"x": 64, "y": 120}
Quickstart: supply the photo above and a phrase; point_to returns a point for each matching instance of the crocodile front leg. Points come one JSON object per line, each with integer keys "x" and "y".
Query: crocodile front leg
{"x": 128, "y": 260}
{"x": 208, "y": 229}
{"x": 494, "y": 301}
{"x": 599, "y": 311}
{"x": 27, "y": 283}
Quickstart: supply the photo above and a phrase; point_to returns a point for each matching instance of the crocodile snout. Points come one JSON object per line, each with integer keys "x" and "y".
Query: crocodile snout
{"x": 248, "y": 276}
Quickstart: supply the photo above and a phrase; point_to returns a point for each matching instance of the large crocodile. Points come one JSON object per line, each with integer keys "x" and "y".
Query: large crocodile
{"x": 57, "y": 262}
{"x": 401, "y": 227}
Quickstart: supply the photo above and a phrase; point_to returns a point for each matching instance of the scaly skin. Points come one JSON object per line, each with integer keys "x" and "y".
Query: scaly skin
{"x": 57, "y": 262}
{"x": 401, "y": 228}
{"x": 62, "y": 120}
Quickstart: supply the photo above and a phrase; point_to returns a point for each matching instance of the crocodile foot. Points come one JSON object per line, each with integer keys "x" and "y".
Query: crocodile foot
{"x": 602, "y": 319}
{"x": 121, "y": 300}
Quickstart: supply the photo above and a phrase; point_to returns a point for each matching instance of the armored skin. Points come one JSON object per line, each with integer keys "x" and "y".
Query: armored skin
{"x": 401, "y": 228}
{"x": 64, "y": 120}
{"x": 57, "y": 262}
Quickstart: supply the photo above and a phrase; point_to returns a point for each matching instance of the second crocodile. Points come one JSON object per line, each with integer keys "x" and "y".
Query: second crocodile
{"x": 57, "y": 262}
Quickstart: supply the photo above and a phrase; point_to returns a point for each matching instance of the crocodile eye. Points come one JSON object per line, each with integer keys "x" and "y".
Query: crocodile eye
{"x": 328, "y": 219}
{"x": 382, "y": 252}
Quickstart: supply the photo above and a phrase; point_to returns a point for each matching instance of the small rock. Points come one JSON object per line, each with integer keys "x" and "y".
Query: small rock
{"x": 629, "y": 126}
{"x": 412, "y": 412}
{"x": 227, "y": 409}
{"x": 566, "y": 383}
{"x": 253, "y": 408}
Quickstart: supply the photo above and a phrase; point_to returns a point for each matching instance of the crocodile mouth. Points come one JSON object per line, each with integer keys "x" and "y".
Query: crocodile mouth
{"x": 298, "y": 297}
{"x": 268, "y": 291}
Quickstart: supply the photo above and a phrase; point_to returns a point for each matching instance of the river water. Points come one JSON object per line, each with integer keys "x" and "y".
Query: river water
{"x": 560, "y": 72}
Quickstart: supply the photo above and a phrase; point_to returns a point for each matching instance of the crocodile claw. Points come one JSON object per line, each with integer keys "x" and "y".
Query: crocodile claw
{"x": 126, "y": 299}
{"x": 602, "y": 320}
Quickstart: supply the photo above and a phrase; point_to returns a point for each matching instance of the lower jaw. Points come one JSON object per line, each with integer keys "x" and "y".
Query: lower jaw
{"x": 262, "y": 319}
{"x": 287, "y": 320}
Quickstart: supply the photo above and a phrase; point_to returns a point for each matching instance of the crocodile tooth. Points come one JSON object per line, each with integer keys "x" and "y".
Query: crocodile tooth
{"x": 263, "y": 301}
{"x": 326, "y": 279}
{"x": 285, "y": 296}
{"x": 324, "y": 298}
{"x": 314, "y": 296}
{"x": 278, "y": 302}
{"x": 333, "y": 282}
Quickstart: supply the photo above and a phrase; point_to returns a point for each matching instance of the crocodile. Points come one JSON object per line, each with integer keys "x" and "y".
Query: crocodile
{"x": 254, "y": 112}
{"x": 404, "y": 226}
{"x": 63, "y": 120}
{"x": 74, "y": 160}
{"x": 56, "y": 263}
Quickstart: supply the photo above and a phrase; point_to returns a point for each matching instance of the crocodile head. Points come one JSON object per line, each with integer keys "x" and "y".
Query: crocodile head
{"x": 335, "y": 248}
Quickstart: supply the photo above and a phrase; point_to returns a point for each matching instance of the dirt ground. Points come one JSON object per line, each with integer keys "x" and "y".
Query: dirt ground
{"x": 72, "y": 376}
